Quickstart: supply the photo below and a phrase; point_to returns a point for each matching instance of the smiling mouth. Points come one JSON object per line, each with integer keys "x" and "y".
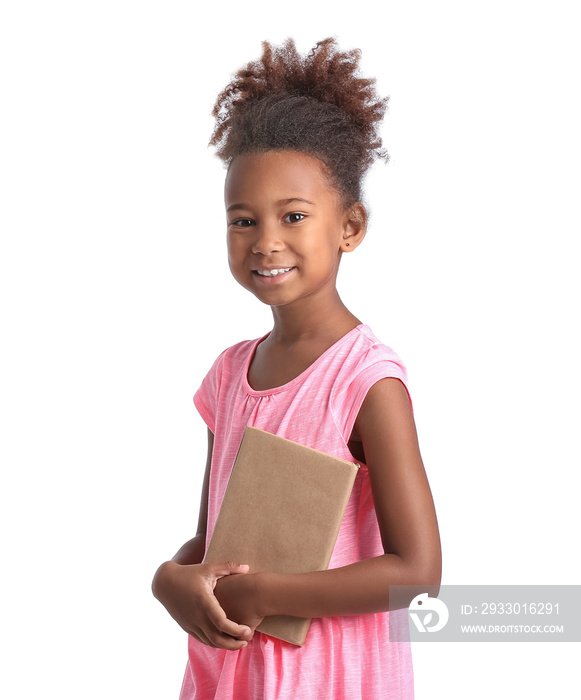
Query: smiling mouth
{"x": 272, "y": 273}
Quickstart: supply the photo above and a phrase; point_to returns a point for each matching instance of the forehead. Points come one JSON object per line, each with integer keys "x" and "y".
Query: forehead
{"x": 277, "y": 175}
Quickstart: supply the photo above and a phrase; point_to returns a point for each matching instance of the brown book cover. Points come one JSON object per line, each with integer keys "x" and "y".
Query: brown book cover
{"x": 281, "y": 512}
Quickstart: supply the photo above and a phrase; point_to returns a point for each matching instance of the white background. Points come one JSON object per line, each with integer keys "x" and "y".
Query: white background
{"x": 116, "y": 297}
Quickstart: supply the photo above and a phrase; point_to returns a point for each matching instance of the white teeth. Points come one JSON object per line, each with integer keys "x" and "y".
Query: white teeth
{"x": 273, "y": 273}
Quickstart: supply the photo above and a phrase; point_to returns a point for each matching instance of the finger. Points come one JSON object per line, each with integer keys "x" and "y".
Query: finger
{"x": 247, "y": 636}
{"x": 219, "y": 641}
{"x": 226, "y": 568}
{"x": 225, "y": 642}
{"x": 218, "y": 618}
{"x": 246, "y": 640}
{"x": 214, "y": 638}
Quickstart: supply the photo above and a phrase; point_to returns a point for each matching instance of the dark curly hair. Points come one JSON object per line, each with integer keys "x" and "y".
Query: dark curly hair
{"x": 318, "y": 104}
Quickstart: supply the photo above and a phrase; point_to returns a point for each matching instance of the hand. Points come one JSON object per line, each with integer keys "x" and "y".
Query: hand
{"x": 187, "y": 592}
{"x": 240, "y": 600}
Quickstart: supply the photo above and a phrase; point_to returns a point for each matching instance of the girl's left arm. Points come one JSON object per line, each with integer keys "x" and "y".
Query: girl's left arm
{"x": 406, "y": 518}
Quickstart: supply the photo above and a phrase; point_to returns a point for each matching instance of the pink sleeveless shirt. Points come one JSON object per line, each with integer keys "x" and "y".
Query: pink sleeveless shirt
{"x": 344, "y": 657}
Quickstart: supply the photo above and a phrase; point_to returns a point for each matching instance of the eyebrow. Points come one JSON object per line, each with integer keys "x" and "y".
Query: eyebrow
{"x": 281, "y": 202}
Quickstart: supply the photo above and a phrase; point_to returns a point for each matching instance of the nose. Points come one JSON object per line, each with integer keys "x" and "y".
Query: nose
{"x": 267, "y": 240}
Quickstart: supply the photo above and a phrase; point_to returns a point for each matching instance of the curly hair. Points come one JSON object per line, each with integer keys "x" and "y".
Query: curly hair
{"x": 317, "y": 104}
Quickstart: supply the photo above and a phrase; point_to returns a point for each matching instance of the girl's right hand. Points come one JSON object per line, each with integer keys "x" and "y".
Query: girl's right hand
{"x": 187, "y": 592}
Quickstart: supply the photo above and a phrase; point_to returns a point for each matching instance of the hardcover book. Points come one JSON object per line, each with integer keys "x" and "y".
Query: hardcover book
{"x": 281, "y": 512}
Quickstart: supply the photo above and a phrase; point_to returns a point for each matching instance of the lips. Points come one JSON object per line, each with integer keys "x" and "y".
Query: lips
{"x": 272, "y": 275}
{"x": 272, "y": 271}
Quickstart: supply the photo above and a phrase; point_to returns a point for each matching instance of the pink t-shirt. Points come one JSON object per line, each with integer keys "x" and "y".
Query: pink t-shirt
{"x": 344, "y": 657}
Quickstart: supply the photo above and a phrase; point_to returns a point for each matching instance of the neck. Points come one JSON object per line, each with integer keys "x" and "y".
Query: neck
{"x": 312, "y": 319}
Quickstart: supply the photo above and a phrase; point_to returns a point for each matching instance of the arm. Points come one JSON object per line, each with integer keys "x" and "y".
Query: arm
{"x": 186, "y": 587}
{"x": 406, "y": 518}
{"x": 192, "y": 552}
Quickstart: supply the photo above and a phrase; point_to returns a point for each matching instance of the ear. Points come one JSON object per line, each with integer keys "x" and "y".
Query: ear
{"x": 354, "y": 227}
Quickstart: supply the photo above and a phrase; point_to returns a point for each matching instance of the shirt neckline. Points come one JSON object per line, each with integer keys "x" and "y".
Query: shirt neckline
{"x": 289, "y": 385}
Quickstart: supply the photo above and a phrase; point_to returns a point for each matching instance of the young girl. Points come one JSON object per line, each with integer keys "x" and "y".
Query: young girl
{"x": 298, "y": 133}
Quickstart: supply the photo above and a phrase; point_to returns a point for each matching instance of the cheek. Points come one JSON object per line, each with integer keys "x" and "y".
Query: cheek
{"x": 324, "y": 247}
{"x": 235, "y": 266}
{"x": 234, "y": 249}
{"x": 237, "y": 259}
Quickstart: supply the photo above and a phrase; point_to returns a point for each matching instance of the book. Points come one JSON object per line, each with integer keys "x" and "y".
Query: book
{"x": 281, "y": 512}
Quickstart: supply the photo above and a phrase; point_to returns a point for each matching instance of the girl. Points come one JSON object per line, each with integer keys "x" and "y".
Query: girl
{"x": 298, "y": 133}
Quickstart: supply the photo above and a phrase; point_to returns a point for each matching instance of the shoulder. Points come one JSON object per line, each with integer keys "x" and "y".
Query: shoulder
{"x": 373, "y": 350}
{"x": 366, "y": 359}
{"x": 235, "y": 355}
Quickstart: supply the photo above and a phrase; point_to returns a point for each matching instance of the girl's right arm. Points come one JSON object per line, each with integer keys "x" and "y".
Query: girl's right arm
{"x": 186, "y": 587}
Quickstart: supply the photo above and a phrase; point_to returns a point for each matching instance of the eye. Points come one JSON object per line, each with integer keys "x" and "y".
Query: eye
{"x": 242, "y": 223}
{"x": 293, "y": 218}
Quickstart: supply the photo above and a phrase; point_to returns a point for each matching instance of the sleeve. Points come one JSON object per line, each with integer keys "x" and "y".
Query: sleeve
{"x": 347, "y": 403}
{"x": 206, "y": 397}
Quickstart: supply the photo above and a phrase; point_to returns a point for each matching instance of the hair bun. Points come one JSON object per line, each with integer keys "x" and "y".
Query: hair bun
{"x": 344, "y": 107}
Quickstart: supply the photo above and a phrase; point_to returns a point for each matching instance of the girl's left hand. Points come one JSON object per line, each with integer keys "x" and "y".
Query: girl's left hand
{"x": 238, "y": 596}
